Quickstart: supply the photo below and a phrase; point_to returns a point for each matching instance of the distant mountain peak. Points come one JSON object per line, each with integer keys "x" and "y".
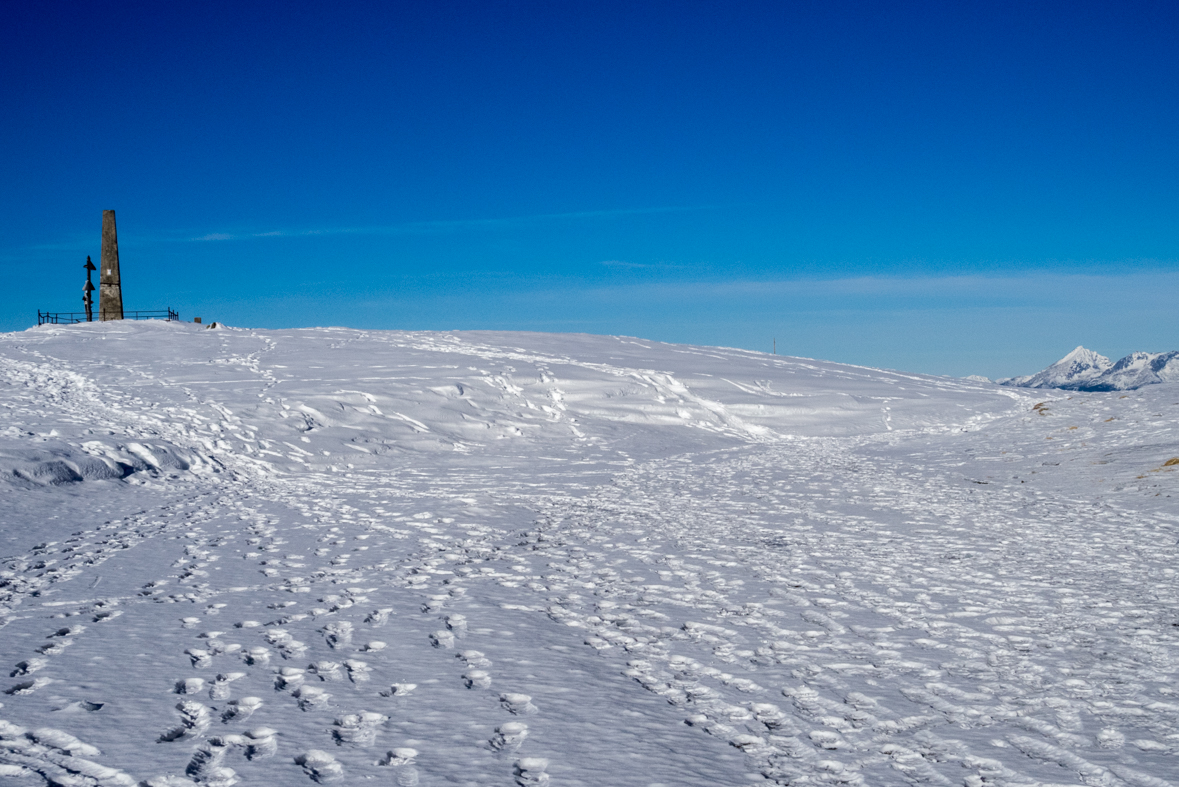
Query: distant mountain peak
{"x": 1082, "y": 357}
{"x": 1085, "y": 370}
{"x": 1078, "y": 367}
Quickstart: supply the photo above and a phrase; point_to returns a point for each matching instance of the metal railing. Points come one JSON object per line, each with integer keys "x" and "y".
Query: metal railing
{"x": 68, "y": 318}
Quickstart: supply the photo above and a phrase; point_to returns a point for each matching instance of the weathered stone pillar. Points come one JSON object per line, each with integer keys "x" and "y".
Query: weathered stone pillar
{"x": 110, "y": 293}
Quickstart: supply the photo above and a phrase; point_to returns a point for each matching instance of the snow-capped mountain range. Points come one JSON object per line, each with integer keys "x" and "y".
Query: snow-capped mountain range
{"x": 1085, "y": 370}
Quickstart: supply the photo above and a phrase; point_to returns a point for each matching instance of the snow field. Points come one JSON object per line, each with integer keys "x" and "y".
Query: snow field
{"x": 330, "y": 555}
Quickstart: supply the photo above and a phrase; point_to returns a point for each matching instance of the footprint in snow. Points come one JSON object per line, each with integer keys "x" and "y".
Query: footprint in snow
{"x": 399, "y": 757}
{"x": 206, "y": 764}
{"x": 54, "y": 648}
{"x": 338, "y": 634}
{"x": 28, "y": 667}
{"x": 597, "y": 643}
{"x": 200, "y": 658}
{"x": 530, "y": 772}
{"x": 189, "y": 686}
{"x": 473, "y": 658}
{"x": 476, "y": 679}
{"x": 828, "y": 739}
{"x": 220, "y": 689}
{"x": 261, "y": 743}
{"x": 399, "y": 690}
{"x": 749, "y": 744}
{"x": 240, "y": 710}
{"x": 71, "y": 631}
{"x": 358, "y": 671}
{"x": 311, "y": 697}
{"x": 517, "y": 704}
{"x": 771, "y": 716}
{"x": 320, "y": 766}
{"x": 457, "y": 624}
{"x": 258, "y": 656}
{"x": 508, "y": 737}
{"x": 194, "y": 720}
{"x": 287, "y": 646}
{"x": 80, "y": 706}
{"x": 379, "y": 617}
{"x": 27, "y": 687}
{"x": 711, "y": 726}
{"x": 288, "y": 679}
{"x": 402, "y": 761}
{"x": 357, "y": 729}
{"x": 294, "y": 649}
{"x": 278, "y": 637}
{"x": 442, "y": 639}
{"x": 325, "y": 670}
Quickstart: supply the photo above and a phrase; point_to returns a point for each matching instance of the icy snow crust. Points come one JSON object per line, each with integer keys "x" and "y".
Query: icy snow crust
{"x": 290, "y": 557}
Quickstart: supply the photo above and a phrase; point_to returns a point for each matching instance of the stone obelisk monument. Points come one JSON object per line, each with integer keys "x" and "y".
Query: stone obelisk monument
{"x": 110, "y": 293}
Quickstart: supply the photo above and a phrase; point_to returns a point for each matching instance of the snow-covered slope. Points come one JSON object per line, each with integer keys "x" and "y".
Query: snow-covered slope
{"x": 288, "y": 557}
{"x": 1085, "y": 370}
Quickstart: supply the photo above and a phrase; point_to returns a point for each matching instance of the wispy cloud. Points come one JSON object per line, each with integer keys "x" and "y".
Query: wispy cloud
{"x": 446, "y": 225}
{"x": 641, "y": 265}
{"x": 65, "y": 244}
{"x": 1148, "y": 289}
{"x": 79, "y": 243}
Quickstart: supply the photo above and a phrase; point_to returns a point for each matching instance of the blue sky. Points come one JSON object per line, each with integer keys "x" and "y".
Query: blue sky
{"x": 942, "y": 187}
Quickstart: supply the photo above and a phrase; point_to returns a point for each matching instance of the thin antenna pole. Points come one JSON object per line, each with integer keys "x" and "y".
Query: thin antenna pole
{"x": 87, "y": 298}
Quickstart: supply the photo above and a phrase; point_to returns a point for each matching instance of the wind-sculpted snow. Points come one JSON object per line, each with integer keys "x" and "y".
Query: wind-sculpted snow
{"x": 329, "y": 556}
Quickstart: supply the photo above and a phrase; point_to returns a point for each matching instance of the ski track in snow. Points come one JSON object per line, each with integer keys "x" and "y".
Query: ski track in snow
{"x": 325, "y": 555}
